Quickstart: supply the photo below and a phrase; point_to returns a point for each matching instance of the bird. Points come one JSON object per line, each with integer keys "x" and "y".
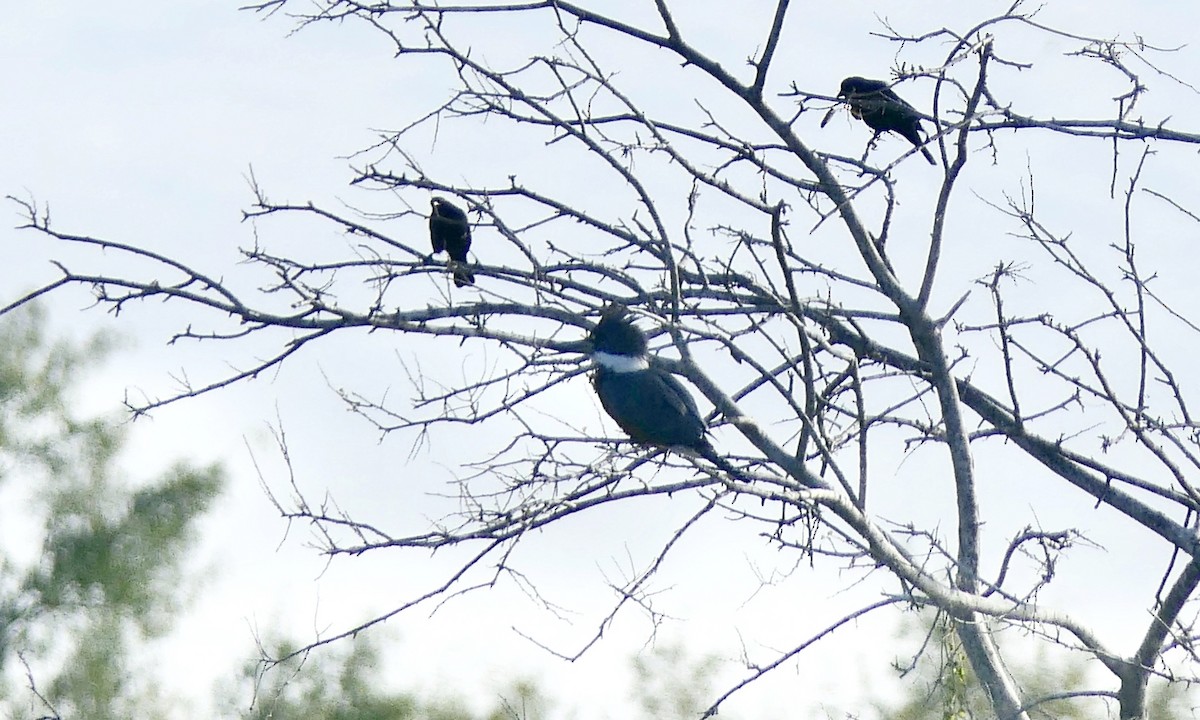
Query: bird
{"x": 450, "y": 231}
{"x": 650, "y": 405}
{"x": 876, "y": 104}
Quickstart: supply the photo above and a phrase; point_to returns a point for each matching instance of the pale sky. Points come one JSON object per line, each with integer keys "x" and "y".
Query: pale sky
{"x": 140, "y": 122}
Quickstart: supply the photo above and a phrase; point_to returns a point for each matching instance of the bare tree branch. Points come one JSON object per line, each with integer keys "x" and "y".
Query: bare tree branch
{"x": 781, "y": 275}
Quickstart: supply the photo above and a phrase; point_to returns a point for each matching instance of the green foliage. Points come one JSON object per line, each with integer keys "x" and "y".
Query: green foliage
{"x": 345, "y": 682}
{"x": 338, "y": 684}
{"x": 670, "y": 685}
{"x": 93, "y": 680}
{"x": 126, "y": 561}
{"x": 1170, "y": 701}
{"x": 941, "y": 686}
{"x": 96, "y": 681}
{"x": 36, "y": 425}
{"x": 522, "y": 701}
{"x": 107, "y": 568}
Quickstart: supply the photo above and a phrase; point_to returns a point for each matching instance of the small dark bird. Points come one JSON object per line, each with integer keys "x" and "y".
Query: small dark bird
{"x": 652, "y": 406}
{"x": 874, "y": 102}
{"x": 450, "y": 231}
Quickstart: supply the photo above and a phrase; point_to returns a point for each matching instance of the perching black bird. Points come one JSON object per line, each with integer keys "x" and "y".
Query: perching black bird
{"x": 876, "y": 104}
{"x": 450, "y": 231}
{"x": 652, "y": 406}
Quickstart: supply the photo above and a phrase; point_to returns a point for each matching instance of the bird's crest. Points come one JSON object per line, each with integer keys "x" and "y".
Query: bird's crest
{"x": 616, "y": 333}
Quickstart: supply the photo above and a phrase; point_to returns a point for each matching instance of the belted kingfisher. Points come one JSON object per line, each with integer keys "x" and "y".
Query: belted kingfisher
{"x": 450, "y": 231}
{"x": 651, "y": 405}
{"x": 875, "y": 103}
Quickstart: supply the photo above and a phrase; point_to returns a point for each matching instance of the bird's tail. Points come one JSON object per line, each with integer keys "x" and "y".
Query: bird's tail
{"x": 710, "y": 454}
{"x": 913, "y": 134}
{"x": 463, "y": 276}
